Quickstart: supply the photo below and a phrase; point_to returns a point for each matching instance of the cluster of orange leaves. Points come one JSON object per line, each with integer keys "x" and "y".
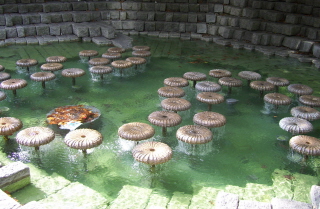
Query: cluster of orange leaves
{"x": 63, "y": 115}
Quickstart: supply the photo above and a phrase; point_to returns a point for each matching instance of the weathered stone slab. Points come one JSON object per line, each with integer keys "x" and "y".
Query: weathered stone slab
{"x": 225, "y": 32}
{"x": 249, "y": 24}
{"x": 204, "y": 199}
{"x": 306, "y": 46}
{"x": 80, "y": 30}
{"x": 292, "y": 42}
{"x": 11, "y": 32}
{"x": 68, "y": 198}
{"x": 79, "y": 17}
{"x": 289, "y": 204}
{"x": 227, "y": 200}
{"x": 102, "y": 41}
{"x": 128, "y": 198}
{"x": 14, "y": 176}
{"x": 6, "y": 202}
{"x": 247, "y": 204}
{"x": 179, "y": 200}
{"x": 10, "y": 41}
{"x": 316, "y": 50}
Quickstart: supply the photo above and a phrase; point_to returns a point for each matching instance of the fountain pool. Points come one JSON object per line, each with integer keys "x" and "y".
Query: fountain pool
{"x": 248, "y": 149}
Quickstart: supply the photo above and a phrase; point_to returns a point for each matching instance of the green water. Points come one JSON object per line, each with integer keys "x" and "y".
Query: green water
{"x": 247, "y": 150}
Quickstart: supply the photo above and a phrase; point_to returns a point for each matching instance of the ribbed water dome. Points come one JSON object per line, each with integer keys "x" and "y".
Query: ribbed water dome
{"x": 295, "y": 125}
{"x": 136, "y": 131}
{"x": 194, "y": 134}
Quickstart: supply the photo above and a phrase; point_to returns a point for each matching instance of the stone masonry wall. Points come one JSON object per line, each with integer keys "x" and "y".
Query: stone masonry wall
{"x": 292, "y": 23}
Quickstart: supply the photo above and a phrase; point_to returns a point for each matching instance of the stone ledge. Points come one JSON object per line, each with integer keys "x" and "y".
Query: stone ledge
{"x": 14, "y": 176}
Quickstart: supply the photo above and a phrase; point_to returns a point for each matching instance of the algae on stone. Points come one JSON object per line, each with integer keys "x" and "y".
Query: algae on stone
{"x": 282, "y": 185}
{"x": 179, "y": 200}
{"x": 258, "y": 192}
{"x": 204, "y": 199}
{"x": 158, "y": 199}
{"x": 131, "y": 197}
{"x": 301, "y": 186}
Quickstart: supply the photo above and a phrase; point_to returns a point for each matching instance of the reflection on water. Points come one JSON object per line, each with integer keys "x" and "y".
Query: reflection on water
{"x": 245, "y": 150}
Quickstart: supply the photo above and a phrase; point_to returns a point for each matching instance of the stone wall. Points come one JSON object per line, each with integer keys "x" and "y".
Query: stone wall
{"x": 292, "y": 23}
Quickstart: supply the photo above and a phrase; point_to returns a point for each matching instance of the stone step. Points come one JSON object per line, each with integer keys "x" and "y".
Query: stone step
{"x": 131, "y": 197}
{"x": 204, "y": 198}
{"x": 179, "y": 200}
{"x": 158, "y": 199}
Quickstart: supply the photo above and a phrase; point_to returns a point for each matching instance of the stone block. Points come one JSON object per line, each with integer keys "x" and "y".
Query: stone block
{"x": 42, "y": 29}
{"x": 306, "y": 46}
{"x": 201, "y": 17}
{"x": 52, "y": 7}
{"x": 271, "y": 15}
{"x": 34, "y": 18}
{"x": 55, "y": 30}
{"x": 22, "y": 9}
{"x": 236, "y": 11}
{"x": 184, "y": 8}
{"x": 139, "y": 25}
{"x": 131, "y": 5}
{"x": 169, "y": 17}
{"x": 249, "y": 24}
{"x": 35, "y": 8}
{"x": 101, "y": 41}
{"x": 66, "y": 16}
{"x": 56, "y": 17}
{"x": 182, "y": 27}
{"x": 114, "y": 5}
{"x": 80, "y": 30}
{"x": 191, "y": 27}
{"x": 114, "y": 15}
{"x": 285, "y": 7}
{"x": 11, "y": 32}
{"x": 226, "y": 200}
{"x": 180, "y": 17}
{"x": 304, "y": 9}
{"x": 174, "y": 35}
{"x": 141, "y": 15}
{"x": 316, "y": 22}
{"x": 127, "y": 197}
{"x": 245, "y": 204}
{"x": 22, "y": 41}
{"x": 147, "y": 6}
{"x": 7, "y": 202}
{"x": 210, "y": 18}
{"x": 315, "y": 196}
{"x": 192, "y": 18}
{"x": 10, "y": 8}
{"x": 201, "y": 28}
{"x": 10, "y": 41}
{"x": 150, "y": 26}
{"x": 150, "y": 16}
{"x": 238, "y": 34}
{"x": 292, "y": 42}
{"x": 204, "y": 8}
{"x": 256, "y": 38}
{"x": 289, "y": 29}
{"x": 289, "y": 204}
{"x": 66, "y": 28}
{"x": 293, "y": 19}
{"x": 30, "y": 30}
{"x": 312, "y": 33}
{"x": 194, "y": 8}
{"x": 45, "y": 18}
{"x": 163, "y": 34}
{"x": 3, "y": 33}
{"x": 250, "y": 13}
{"x": 79, "y": 17}
{"x": 105, "y": 15}
{"x": 20, "y": 31}
{"x": 131, "y": 15}
{"x": 212, "y": 29}
{"x": 13, "y": 19}
{"x": 160, "y": 7}
{"x": 117, "y": 24}
{"x": 98, "y": 6}
{"x": 2, "y": 20}
{"x": 79, "y": 6}
{"x": 160, "y": 16}
{"x": 160, "y": 26}
{"x": 226, "y": 32}
{"x": 223, "y": 20}
{"x": 218, "y": 8}
{"x": 122, "y": 15}
{"x": 265, "y": 39}
{"x": 276, "y": 39}
{"x": 307, "y": 20}
{"x": 128, "y": 25}
{"x": 14, "y": 176}
{"x": 233, "y": 21}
